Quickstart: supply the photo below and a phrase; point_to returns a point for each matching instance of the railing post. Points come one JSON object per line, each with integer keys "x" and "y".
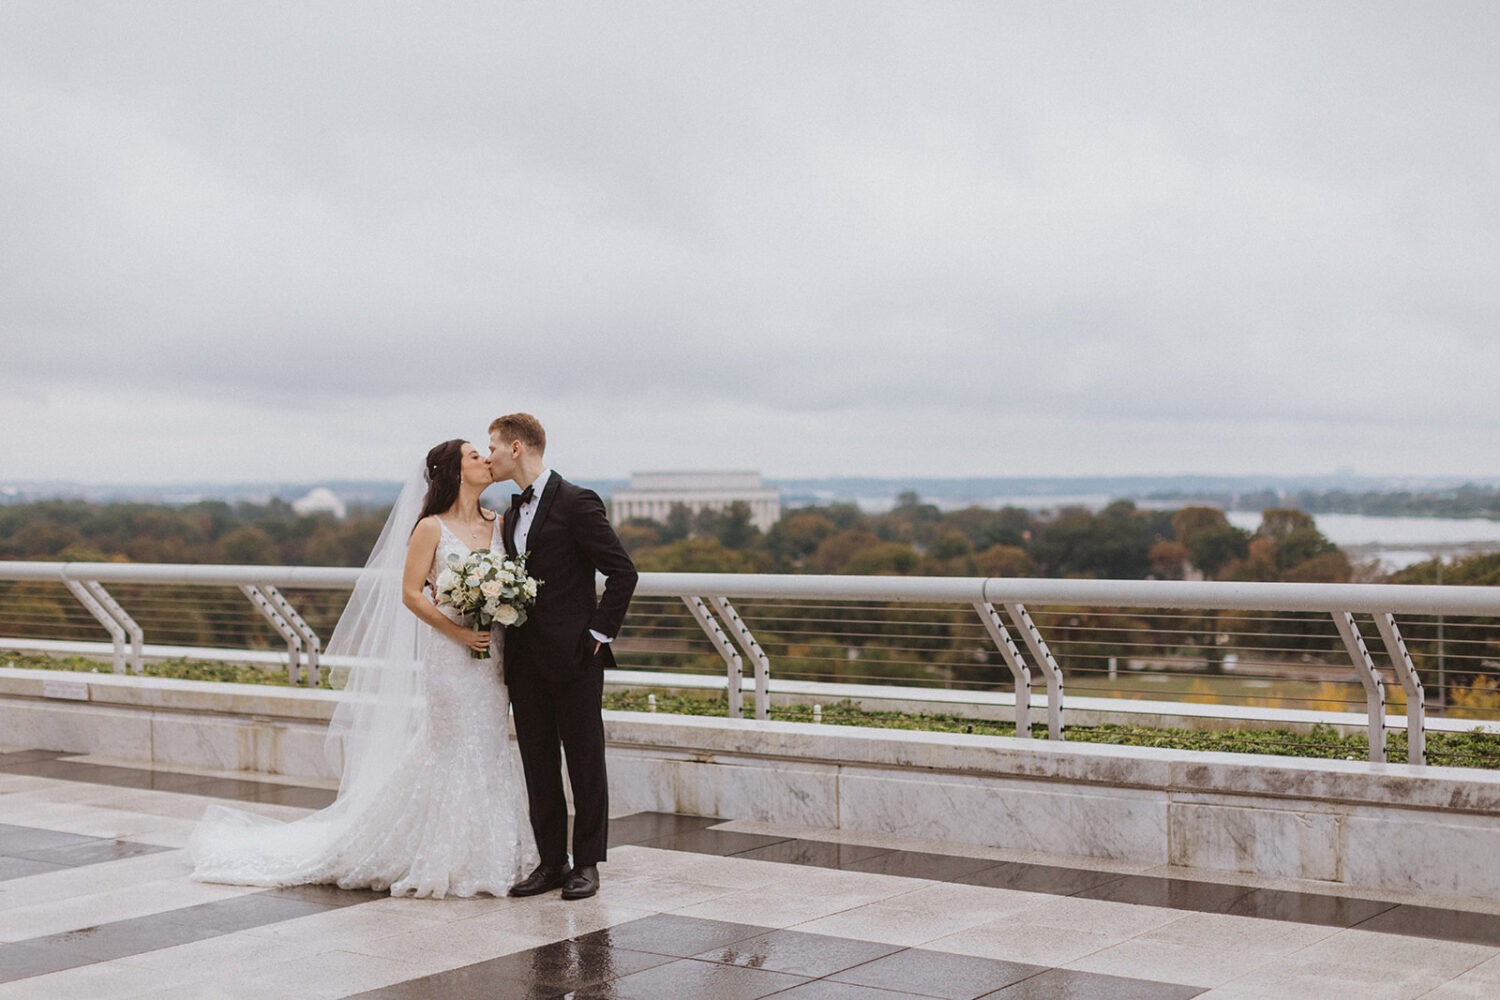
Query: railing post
{"x": 732, "y": 662}
{"x": 1416, "y": 698}
{"x": 137, "y": 637}
{"x": 1374, "y": 687}
{"x": 746, "y": 639}
{"x": 1043, "y": 656}
{"x": 1019, "y": 671}
{"x": 311, "y": 644}
{"x": 293, "y": 640}
{"x": 91, "y": 604}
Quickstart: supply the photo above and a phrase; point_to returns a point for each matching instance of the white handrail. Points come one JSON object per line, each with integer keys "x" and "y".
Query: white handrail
{"x": 715, "y": 590}
{"x": 1319, "y": 597}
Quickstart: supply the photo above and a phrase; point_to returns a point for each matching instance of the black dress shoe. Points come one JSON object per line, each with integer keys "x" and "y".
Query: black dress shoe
{"x": 582, "y": 883}
{"x": 544, "y": 879}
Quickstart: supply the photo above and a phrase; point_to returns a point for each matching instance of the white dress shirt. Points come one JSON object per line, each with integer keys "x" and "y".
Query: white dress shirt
{"x": 527, "y": 513}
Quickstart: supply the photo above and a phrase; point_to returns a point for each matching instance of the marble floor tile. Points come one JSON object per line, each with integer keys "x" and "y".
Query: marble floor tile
{"x": 774, "y": 907}
{"x": 890, "y": 924}
{"x": 466, "y": 942}
{"x": 1462, "y": 988}
{"x": 1488, "y": 970}
{"x": 1066, "y": 984}
{"x": 731, "y": 873}
{"x": 124, "y": 902}
{"x": 920, "y": 864}
{"x": 70, "y": 882}
{"x": 546, "y": 970}
{"x": 227, "y": 956}
{"x": 350, "y": 926}
{"x": 114, "y": 980}
{"x": 709, "y": 841}
{"x": 1333, "y": 983}
{"x": 1432, "y": 922}
{"x": 1121, "y": 920}
{"x": 687, "y": 978}
{"x": 1264, "y": 937}
{"x": 827, "y": 989}
{"x": 1140, "y": 958}
{"x": 663, "y": 894}
{"x": 552, "y": 918}
{"x": 668, "y": 934}
{"x": 984, "y": 904}
{"x": 937, "y": 974}
{"x": 1374, "y": 956}
{"x": 333, "y": 974}
{"x": 814, "y": 853}
{"x": 1050, "y": 879}
{"x": 799, "y": 953}
{"x": 1031, "y": 944}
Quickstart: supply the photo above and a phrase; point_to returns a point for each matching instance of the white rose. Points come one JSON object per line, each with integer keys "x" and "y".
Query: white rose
{"x": 507, "y": 576}
{"x": 473, "y": 580}
{"x": 530, "y": 588}
{"x": 490, "y": 588}
{"x": 446, "y": 581}
{"x": 507, "y": 615}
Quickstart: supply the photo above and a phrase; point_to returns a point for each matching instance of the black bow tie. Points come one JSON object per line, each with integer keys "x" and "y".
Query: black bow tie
{"x": 518, "y": 500}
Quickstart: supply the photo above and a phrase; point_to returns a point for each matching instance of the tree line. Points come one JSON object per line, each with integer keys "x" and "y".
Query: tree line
{"x": 1121, "y": 541}
{"x": 937, "y": 645}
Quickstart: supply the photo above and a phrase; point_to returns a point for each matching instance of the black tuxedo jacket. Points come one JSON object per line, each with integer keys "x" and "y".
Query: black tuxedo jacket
{"x": 570, "y": 539}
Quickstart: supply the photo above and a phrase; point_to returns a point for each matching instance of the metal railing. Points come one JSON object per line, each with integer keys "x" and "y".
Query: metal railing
{"x": 1256, "y": 651}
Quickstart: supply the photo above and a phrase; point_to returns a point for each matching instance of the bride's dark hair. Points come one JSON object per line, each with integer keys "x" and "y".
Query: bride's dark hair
{"x": 444, "y": 471}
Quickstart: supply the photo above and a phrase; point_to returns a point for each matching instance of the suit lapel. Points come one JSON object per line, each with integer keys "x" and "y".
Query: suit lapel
{"x": 508, "y": 531}
{"x": 544, "y": 506}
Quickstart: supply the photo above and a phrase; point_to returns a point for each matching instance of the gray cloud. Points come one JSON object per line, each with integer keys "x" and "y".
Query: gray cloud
{"x": 1120, "y": 227}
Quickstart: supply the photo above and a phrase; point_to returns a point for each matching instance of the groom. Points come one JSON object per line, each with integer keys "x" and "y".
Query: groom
{"x": 555, "y": 662}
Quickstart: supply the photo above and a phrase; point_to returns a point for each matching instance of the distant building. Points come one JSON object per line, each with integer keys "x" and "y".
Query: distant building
{"x": 320, "y": 500}
{"x": 652, "y": 495}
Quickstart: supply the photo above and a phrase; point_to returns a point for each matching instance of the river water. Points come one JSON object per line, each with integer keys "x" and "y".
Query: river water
{"x": 1395, "y": 541}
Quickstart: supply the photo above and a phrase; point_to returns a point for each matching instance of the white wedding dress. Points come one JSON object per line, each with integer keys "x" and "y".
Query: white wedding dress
{"x": 444, "y": 814}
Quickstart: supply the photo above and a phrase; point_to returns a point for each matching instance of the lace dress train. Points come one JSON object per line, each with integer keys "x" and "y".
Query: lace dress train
{"x": 449, "y": 820}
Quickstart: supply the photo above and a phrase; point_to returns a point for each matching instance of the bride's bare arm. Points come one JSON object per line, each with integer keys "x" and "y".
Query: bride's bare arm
{"x": 419, "y": 554}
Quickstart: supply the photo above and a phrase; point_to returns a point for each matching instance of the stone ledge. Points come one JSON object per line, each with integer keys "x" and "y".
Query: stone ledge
{"x": 1343, "y": 782}
{"x": 1179, "y": 772}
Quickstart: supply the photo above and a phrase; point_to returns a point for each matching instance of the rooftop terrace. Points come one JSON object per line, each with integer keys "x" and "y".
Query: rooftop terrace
{"x": 95, "y": 902}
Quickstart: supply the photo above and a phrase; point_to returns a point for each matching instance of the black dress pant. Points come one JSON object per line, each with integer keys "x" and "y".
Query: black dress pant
{"x": 552, "y": 719}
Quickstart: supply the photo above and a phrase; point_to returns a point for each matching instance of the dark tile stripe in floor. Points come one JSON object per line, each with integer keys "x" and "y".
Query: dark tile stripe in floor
{"x": 670, "y": 956}
{"x": 693, "y": 834}
{"x": 26, "y": 850}
{"x": 123, "y": 938}
{"x": 49, "y": 764}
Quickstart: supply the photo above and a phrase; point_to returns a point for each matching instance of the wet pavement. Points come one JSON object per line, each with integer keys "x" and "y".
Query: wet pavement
{"x": 95, "y": 902}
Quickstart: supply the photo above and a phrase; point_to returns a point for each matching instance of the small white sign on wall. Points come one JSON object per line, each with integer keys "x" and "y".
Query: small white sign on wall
{"x": 71, "y": 690}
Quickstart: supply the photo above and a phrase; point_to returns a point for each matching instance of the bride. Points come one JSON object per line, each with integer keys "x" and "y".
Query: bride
{"x": 430, "y": 802}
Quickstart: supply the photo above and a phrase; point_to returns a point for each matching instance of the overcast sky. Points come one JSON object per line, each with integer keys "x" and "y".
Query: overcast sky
{"x": 308, "y": 240}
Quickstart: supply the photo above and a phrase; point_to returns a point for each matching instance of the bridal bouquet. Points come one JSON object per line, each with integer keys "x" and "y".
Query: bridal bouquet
{"x": 485, "y": 587}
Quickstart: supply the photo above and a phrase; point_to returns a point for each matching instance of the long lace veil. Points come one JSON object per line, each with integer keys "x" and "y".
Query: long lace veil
{"x": 376, "y": 653}
{"x": 376, "y": 650}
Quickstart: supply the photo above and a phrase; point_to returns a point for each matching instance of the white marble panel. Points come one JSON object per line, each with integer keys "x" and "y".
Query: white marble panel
{"x": 640, "y": 781}
{"x": 765, "y": 790}
{"x": 1119, "y": 823}
{"x": 1452, "y": 854}
{"x": 76, "y": 727}
{"x": 241, "y": 744}
{"x": 1254, "y": 836}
